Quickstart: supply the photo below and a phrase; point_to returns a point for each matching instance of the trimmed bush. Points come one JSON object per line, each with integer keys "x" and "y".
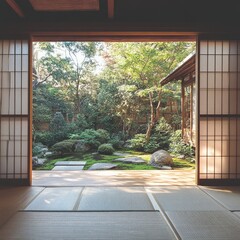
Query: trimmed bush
{"x": 138, "y": 142}
{"x": 106, "y": 149}
{"x": 67, "y": 146}
{"x": 36, "y": 150}
{"x": 45, "y": 137}
{"x": 116, "y": 142}
{"x": 103, "y": 136}
{"x": 179, "y": 147}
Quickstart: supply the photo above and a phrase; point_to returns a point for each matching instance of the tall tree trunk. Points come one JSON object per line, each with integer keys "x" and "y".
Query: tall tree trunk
{"x": 77, "y": 101}
{"x": 158, "y": 112}
{"x": 152, "y": 118}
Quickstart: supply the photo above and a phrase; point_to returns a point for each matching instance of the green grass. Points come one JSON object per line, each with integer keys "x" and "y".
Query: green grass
{"x": 183, "y": 164}
{"x": 178, "y": 163}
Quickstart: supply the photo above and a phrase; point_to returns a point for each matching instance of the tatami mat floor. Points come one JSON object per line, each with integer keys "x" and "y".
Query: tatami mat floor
{"x": 118, "y": 211}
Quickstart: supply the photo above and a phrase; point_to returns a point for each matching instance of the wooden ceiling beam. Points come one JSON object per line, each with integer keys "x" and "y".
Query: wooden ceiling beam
{"x": 110, "y": 9}
{"x": 15, "y": 7}
{"x": 65, "y": 5}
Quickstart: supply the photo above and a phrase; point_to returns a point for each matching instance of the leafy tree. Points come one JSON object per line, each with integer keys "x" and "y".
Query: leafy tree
{"x": 144, "y": 65}
{"x": 70, "y": 65}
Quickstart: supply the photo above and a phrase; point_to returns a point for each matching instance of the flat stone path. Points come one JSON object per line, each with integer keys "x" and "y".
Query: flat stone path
{"x": 102, "y": 166}
{"x": 70, "y": 163}
{"x": 134, "y": 160}
{"x": 69, "y": 166}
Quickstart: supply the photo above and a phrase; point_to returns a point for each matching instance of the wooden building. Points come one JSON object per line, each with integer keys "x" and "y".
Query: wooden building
{"x": 214, "y": 25}
{"x": 185, "y": 72}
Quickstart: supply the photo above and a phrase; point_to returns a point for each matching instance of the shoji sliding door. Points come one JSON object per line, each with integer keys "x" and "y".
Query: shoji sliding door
{"x": 219, "y": 112}
{"x": 15, "y": 118}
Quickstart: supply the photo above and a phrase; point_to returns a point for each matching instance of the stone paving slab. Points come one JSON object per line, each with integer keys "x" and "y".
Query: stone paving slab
{"x": 59, "y": 198}
{"x": 87, "y": 226}
{"x": 102, "y": 166}
{"x": 228, "y": 196}
{"x": 68, "y": 168}
{"x": 136, "y": 160}
{"x": 206, "y": 225}
{"x": 174, "y": 198}
{"x": 70, "y": 163}
{"x": 114, "y": 198}
{"x": 120, "y": 154}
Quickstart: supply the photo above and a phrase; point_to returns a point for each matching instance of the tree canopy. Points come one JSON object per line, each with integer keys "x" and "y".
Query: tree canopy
{"x": 124, "y": 96}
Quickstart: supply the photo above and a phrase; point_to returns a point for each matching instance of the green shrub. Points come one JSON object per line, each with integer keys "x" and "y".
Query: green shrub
{"x": 67, "y": 146}
{"x": 45, "y": 137}
{"x": 116, "y": 142}
{"x": 81, "y": 122}
{"x": 36, "y": 150}
{"x": 161, "y": 135}
{"x": 178, "y": 146}
{"x": 103, "y": 136}
{"x": 175, "y": 121}
{"x": 106, "y": 149}
{"x": 91, "y": 138}
{"x": 57, "y": 123}
{"x": 163, "y": 126}
{"x": 157, "y": 141}
{"x": 138, "y": 142}
{"x": 152, "y": 146}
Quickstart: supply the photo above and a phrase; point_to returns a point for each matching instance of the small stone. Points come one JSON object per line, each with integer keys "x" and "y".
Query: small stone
{"x": 102, "y": 166}
{"x": 193, "y": 160}
{"x": 41, "y": 161}
{"x": 48, "y": 154}
{"x": 181, "y": 156}
{"x": 34, "y": 161}
{"x": 165, "y": 168}
{"x": 44, "y": 150}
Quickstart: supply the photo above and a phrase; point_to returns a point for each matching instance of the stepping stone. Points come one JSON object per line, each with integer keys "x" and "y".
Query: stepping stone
{"x": 68, "y": 168}
{"x": 70, "y": 163}
{"x": 102, "y": 166}
{"x": 136, "y": 160}
{"x": 165, "y": 168}
{"x": 121, "y": 154}
{"x": 58, "y": 198}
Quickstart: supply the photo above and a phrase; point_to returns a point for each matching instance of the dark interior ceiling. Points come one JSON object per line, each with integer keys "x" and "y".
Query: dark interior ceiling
{"x": 165, "y": 15}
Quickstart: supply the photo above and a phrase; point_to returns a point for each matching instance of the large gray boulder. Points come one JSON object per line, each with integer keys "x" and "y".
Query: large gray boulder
{"x": 161, "y": 158}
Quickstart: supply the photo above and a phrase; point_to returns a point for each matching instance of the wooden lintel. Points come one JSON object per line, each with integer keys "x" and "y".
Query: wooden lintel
{"x": 15, "y": 7}
{"x": 110, "y": 9}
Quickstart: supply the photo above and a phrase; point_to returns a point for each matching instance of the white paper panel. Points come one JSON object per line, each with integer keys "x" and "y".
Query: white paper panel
{"x": 14, "y": 101}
